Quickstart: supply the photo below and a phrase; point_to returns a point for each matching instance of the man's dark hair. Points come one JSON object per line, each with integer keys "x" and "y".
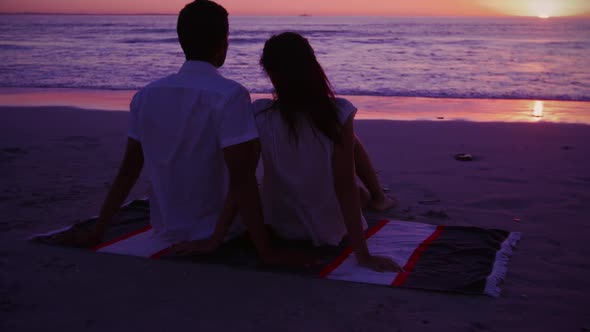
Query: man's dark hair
{"x": 202, "y": 27}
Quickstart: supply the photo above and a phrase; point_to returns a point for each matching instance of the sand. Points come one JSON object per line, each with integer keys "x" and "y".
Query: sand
{"x": 56, "y": 164}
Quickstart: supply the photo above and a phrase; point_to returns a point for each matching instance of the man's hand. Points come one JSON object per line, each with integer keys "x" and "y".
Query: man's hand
{"x": 78, "y": 238}
{"x": 197, "y": 247}
{"x": 379, "y": 264}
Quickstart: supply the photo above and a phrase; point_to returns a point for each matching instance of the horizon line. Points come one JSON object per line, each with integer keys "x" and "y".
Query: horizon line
{"x": 307, "y": 15}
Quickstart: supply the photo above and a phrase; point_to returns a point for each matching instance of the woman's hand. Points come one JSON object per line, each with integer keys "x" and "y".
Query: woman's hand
{"x": 379, "y": 263}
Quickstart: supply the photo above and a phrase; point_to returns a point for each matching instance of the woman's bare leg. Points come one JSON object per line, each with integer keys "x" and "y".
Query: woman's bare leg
{"x": 365, "y": 196}
{"x": 366, "y": 173}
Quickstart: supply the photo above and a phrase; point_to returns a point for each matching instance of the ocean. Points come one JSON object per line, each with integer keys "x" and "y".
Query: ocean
{"x": 495, "y": 58}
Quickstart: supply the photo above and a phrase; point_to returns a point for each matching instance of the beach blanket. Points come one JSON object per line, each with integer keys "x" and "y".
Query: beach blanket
{"x": 443, "y": 258}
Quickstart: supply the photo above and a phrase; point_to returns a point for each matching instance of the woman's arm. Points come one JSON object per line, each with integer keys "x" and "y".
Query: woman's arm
{"x": 348, "y": 197}
{"x": 366, "y": 172}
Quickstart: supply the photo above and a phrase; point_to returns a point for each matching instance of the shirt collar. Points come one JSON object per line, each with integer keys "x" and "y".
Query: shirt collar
{"x": 191, "y": 66}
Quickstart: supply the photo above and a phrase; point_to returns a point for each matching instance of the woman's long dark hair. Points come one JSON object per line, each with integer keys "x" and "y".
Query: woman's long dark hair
{"x": 301, "y": 86}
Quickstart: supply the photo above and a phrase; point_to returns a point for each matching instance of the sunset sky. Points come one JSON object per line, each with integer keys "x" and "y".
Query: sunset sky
{"x": 314, "y": 7}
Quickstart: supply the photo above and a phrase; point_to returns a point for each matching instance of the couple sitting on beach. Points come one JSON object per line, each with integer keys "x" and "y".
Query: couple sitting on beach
{"x": 199, "y": 138}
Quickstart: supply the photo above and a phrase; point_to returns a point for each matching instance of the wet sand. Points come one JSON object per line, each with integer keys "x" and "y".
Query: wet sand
{"x": 370, "y": 107}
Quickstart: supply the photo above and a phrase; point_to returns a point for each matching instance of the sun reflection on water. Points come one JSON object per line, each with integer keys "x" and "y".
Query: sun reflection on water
{"x": 538, "y": 109}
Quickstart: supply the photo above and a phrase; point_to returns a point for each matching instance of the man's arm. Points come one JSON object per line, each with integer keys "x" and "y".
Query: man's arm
{"x": 241, "y": 161}
{"x": 129, "y": 171}
{"x": 230, "y": 209}
{"x": 212, "y": 243}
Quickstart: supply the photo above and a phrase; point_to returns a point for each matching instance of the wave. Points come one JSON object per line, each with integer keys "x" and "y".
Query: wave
{"x": 175, "y": 40}
{"x": 469, "y": 95}
{"x": 152, "y": 30}
{"x": 379, "y": 41}
{"x": 569, "y": 44}
{"x": 349, "y": 92}
{"x": 303, "y": 31}
{"x": 149, "y": 41}
{"x": 12, "y": 47}
{"x": 235, "y": 41}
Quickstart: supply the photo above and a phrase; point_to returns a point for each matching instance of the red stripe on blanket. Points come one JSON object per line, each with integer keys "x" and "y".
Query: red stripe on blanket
{"x": 121, "y": 238}
{"x": 344, "y": 255}
{"x": 161, "y": 253}
{"x": 401, "y": 277}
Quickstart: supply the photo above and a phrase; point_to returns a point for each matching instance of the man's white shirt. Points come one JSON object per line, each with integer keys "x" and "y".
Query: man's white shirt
{"x": 183, "y": 122}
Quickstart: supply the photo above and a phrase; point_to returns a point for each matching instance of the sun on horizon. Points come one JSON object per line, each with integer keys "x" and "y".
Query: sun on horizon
{"x": 539, "y": 8}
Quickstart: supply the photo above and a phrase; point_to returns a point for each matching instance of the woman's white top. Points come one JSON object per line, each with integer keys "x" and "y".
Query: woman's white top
{"x": 298, "y": 196}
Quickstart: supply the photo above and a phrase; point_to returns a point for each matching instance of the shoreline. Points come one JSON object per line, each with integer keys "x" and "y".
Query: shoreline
{"x": 370, "y": 107}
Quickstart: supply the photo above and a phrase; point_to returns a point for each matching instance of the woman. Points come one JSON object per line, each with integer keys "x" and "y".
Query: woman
{"x": 309, "y": 150}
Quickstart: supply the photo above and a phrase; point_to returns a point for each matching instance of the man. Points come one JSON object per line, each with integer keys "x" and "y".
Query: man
{"x": 186, "y": 130}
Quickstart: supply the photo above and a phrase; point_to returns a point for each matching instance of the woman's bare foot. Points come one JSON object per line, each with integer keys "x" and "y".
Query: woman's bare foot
{"x": 381, "y": 205}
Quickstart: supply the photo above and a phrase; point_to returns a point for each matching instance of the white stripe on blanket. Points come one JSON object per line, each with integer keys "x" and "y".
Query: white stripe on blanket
{"x": 396, "y": 240}
{"x": 144, "y": 244}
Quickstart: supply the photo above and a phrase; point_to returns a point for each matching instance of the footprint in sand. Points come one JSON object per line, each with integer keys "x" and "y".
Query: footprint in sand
{"x": 14, "y": 151}
{"x": 477, "y": 326}
{"x": 506, "y": 180}
{"x": 5, "y": 226}
{"x": 7, "y": 154}
{"x": 430, "y": 201}
{"x": 56, "y": 264}
{"x": 6, "y": 304}
{"x": 492, "y": 203}
{"x": 79, "y": 139}
{"x": 81, "y": 142}
{"x": 436, "y": 214}
{"x": 428, "y": 197}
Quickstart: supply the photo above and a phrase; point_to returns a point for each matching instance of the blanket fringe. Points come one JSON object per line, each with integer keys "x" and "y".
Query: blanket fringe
{"x": 501, "y": 265}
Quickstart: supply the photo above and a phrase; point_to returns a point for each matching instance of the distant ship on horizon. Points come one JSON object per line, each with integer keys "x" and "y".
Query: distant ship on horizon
{"x": 305, "y": 15}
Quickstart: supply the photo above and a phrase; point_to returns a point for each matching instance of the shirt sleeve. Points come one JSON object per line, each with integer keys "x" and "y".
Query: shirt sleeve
{"x": 262, "y": 105}
{"x": 346, "y": 109}
{"x": 237, "y": 124}
{"x": 133, "y": 130}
